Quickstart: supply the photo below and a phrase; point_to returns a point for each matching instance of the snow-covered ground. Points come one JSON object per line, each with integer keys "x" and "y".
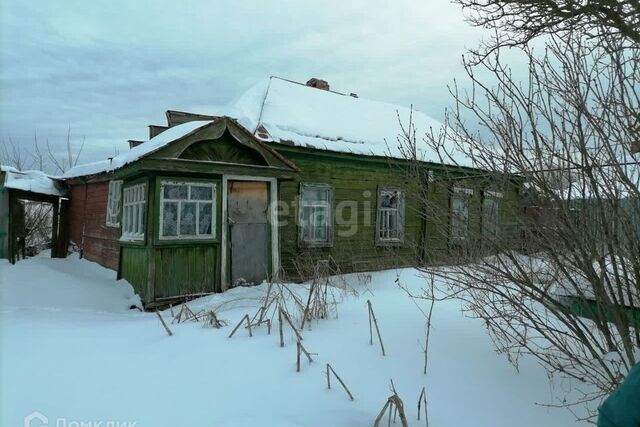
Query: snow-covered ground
{"x": 73, "y": 351}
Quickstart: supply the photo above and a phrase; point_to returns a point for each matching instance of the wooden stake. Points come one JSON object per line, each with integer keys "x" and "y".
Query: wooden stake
{"x": 166, "y": 328}
{"x": 245, "y": 318}
{"x": 370, "y": 323}
{"x": 375, "y": 322}
{"x": 393, "y": 402}
{"x": 286, "y": 317}
{"x": 280, "y": 326}
{"x": 329, "y": 368}
{"x": 298, "y": 357}
{"x": 423, "y": 398}
{"x": 306, "y": 309}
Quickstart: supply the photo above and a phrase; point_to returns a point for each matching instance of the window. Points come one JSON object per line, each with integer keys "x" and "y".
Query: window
{"x": 460, "y": 214}
{"x": 187, "y": 210}
{"x": 113, "y": 203}
{"x": 390, "y": 218}
{"x": 315, "y": 215}
{"x": 490, "y": 214}
{"x": 134, "y": 210}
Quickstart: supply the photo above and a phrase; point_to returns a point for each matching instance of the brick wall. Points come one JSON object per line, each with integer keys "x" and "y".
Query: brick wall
{"x": 87, "y": 224}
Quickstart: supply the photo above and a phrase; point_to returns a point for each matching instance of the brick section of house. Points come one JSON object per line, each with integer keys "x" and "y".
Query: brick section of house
{"x": 87, "y": 224}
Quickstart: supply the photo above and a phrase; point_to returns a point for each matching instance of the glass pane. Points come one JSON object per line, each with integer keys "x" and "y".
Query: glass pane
{"x": 130, "y": 219}
{"x": 204, "y": 219}
{"x": 188, "y": 219}
{"x": 201, "y": 193}
{"x": 389, "y": 199}
{"x": 178, "y": 191}
{"x": 170, "y": 219}
{"x": 305, "y": 223}
{"x": 315, "y": 194}
{"x": 136, "y": 217}
{"x": 319, "y": 221}
{"x": 393, "y": 224}
{"x": 143, "y": 218}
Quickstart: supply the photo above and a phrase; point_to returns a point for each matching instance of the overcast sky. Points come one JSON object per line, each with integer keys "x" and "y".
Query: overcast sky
{"x": 110, "y": 68}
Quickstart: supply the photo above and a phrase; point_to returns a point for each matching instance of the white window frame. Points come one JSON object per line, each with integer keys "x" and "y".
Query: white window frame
{"x": 463, "y": 194}
{"x": 213, "y": 203}
{"x": 383, "y": 233}
{"x": 326, "y": 204}
{"x": 113, "y": 203}
{"x": 134, "y": 200}
{"x": 495, "y": 196}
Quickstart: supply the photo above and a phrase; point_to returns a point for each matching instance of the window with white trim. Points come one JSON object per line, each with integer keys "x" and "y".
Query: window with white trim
{"x": 460, "y": 214}
{"x": 113, "y": 203}
{"x": 187, "y": 210}
{"x": 490, "y": 214}
{"x": 134, "y": 211}
{"x": 390, "y": 217}
{"x": 315, "y": 219}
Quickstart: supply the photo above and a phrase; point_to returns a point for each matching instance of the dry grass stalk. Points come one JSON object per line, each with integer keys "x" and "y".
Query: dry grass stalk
{"x": 285, "y": 316}
{"x": 423, "y": 399}
{"x": 329, "y": 371}
{"x": 280, "y": 328}
{"x": 394, "y": 403}
{"x": 166, "y": 328}
{"x": 372, "y": 316}
{"x": 213, "y": 321}
{"x": 245, "y": 318}
{"x": 299, "y": 350}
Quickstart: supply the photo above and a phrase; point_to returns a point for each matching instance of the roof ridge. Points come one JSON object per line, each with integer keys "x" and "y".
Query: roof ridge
{"x": 310, "y": 87}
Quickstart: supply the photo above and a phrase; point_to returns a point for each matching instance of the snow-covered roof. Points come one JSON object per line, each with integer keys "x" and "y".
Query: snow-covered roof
{"x": 309, "y": 117}
{"x": 137, "y": 152}
{"x": 32, "y": 181}
{"x": 304, "y": 116}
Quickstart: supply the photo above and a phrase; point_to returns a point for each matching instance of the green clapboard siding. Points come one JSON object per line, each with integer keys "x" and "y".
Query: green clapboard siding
{"x": 186, "y": 270}
{"x": 354, "y": 244}
{"x": 134, "y": 267}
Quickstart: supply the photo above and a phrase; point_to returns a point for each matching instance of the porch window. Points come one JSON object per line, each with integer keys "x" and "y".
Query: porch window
{"x": 490, "y": 214}
{"x": 460, "y": 214}
{"x": 113, "y": 203}
{"x": 390, "y": 217}
{"x": 315, "y": 214}
{"x": 187, "y": 210}
{"x": 134, "y": 210}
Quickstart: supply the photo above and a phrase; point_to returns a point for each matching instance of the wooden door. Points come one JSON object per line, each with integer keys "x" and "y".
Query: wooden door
{"x": 249, "y": 231}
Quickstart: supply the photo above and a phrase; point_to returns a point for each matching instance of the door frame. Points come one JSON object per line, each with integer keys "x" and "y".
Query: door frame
{"x": 272, "y": 217}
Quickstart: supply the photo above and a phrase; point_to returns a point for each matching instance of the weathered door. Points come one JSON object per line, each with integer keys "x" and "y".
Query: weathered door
{"x": 248, "y": 203}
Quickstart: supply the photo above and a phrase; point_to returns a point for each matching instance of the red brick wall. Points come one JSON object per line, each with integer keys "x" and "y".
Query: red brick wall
{"x": 87, "y": 224}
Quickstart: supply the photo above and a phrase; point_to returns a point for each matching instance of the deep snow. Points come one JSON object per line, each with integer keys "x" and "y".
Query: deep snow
{"x": 72, "y": 349}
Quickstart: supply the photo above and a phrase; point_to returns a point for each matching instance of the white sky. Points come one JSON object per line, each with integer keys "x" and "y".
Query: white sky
{"x": 110, "y": 68}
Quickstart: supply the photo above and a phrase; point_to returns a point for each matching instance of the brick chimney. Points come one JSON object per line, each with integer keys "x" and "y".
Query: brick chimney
{"x": 318, "y": 84}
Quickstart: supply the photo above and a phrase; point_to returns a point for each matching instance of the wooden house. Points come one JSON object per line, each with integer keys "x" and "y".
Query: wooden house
{"x": 289, "y": 176}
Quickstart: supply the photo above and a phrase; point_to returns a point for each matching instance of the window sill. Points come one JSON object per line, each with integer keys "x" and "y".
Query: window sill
{"x": 315, "y": 245}
{"x": 394, "y": 242}
{"x": 132, "y": 239}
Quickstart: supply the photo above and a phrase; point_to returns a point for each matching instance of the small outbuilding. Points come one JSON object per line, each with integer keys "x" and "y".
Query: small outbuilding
{"x": 18, "y": 187}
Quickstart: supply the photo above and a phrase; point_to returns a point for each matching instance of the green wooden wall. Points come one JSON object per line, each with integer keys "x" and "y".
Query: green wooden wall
{"x": 354, "y": 244}
{"x": 185, "y": 270}
{"x": 134, "y": 267}
{"x": 426, "y": 227}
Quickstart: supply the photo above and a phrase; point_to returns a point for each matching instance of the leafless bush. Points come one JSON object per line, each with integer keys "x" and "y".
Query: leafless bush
{"x": 569, "y": 244}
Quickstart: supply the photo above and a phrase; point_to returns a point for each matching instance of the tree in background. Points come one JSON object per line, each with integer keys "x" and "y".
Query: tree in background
{"x": 558, "y": 277}
{"x": 38, "y": 217}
